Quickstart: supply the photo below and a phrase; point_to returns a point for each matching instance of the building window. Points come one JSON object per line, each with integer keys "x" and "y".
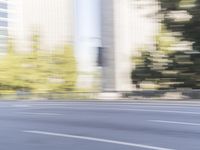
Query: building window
{"x": 3, "y": 14}
{"x": 3, "y": 23}
{"x": 3, "y": 5}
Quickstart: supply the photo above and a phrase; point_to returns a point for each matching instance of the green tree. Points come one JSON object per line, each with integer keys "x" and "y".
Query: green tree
{"x": 63, "y": 70}
{"x": 163, "y": 66}
{"x": 144, "y": 70}
{"x": 38, "y": 71}
{"x": 188, "y": 30}
{"x": 10, "y": 71}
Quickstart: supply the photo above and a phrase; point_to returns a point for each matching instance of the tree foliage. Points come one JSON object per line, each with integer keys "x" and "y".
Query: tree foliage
{"x": 38, "y": 71}
{"x": 177, "y": 66}
{"x": 188, "y": 29}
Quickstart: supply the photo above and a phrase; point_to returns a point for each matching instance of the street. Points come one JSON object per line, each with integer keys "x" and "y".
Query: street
{"x": 99, "y": 125}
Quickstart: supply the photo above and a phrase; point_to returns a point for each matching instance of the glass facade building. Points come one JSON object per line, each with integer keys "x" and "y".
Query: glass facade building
{"x": 3, "y": 25}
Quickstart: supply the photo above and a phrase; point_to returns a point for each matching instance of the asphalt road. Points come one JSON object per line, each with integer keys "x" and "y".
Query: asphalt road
{"x": 99, "y": 126}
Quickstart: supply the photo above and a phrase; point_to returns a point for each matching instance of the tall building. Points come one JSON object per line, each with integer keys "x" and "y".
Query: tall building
{"x": 117, "y": 27}
{"x": 3, "y": 25}
{"x": 52, "y": 19}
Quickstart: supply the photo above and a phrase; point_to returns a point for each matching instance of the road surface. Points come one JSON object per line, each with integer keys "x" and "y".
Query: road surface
{"x": 99, "y": 126}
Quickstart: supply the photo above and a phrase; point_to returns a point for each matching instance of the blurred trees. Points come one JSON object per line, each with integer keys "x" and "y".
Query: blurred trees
{"x": 153, "y": 64}
{"x": 175, "y": 57}
{"x": 10, "y": 71}
{"x": 63, "y": 79}
{"x": 144, "y": 71}
{"x": 183, "y": 18}
{"x": 38, "y": 71}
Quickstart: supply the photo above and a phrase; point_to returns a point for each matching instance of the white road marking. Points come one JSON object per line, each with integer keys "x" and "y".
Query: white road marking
{"x": 175, "y": 122}
{"x": 167, "y": 111}
{"x": 21, "y": 106}
{"x": 119, "y": 109}
{"x": 97, "y": 140}
{"x": 42, "y": 114}
{"x": 136, "y": 109}
{"x": 123, "y": 105}
{"x": 146, "y": 104}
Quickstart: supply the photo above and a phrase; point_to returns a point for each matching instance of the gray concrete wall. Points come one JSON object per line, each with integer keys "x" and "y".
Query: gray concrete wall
{"x": 109, "y": 70}
{"x": 116, "y": 37}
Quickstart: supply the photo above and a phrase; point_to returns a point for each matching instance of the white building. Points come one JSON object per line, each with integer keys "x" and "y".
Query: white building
{"x": 118, "y": 26}
{"x": 53, "y": 19}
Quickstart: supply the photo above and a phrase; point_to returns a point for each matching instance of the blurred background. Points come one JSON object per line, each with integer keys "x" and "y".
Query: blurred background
{"x": 86, "y": 48}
